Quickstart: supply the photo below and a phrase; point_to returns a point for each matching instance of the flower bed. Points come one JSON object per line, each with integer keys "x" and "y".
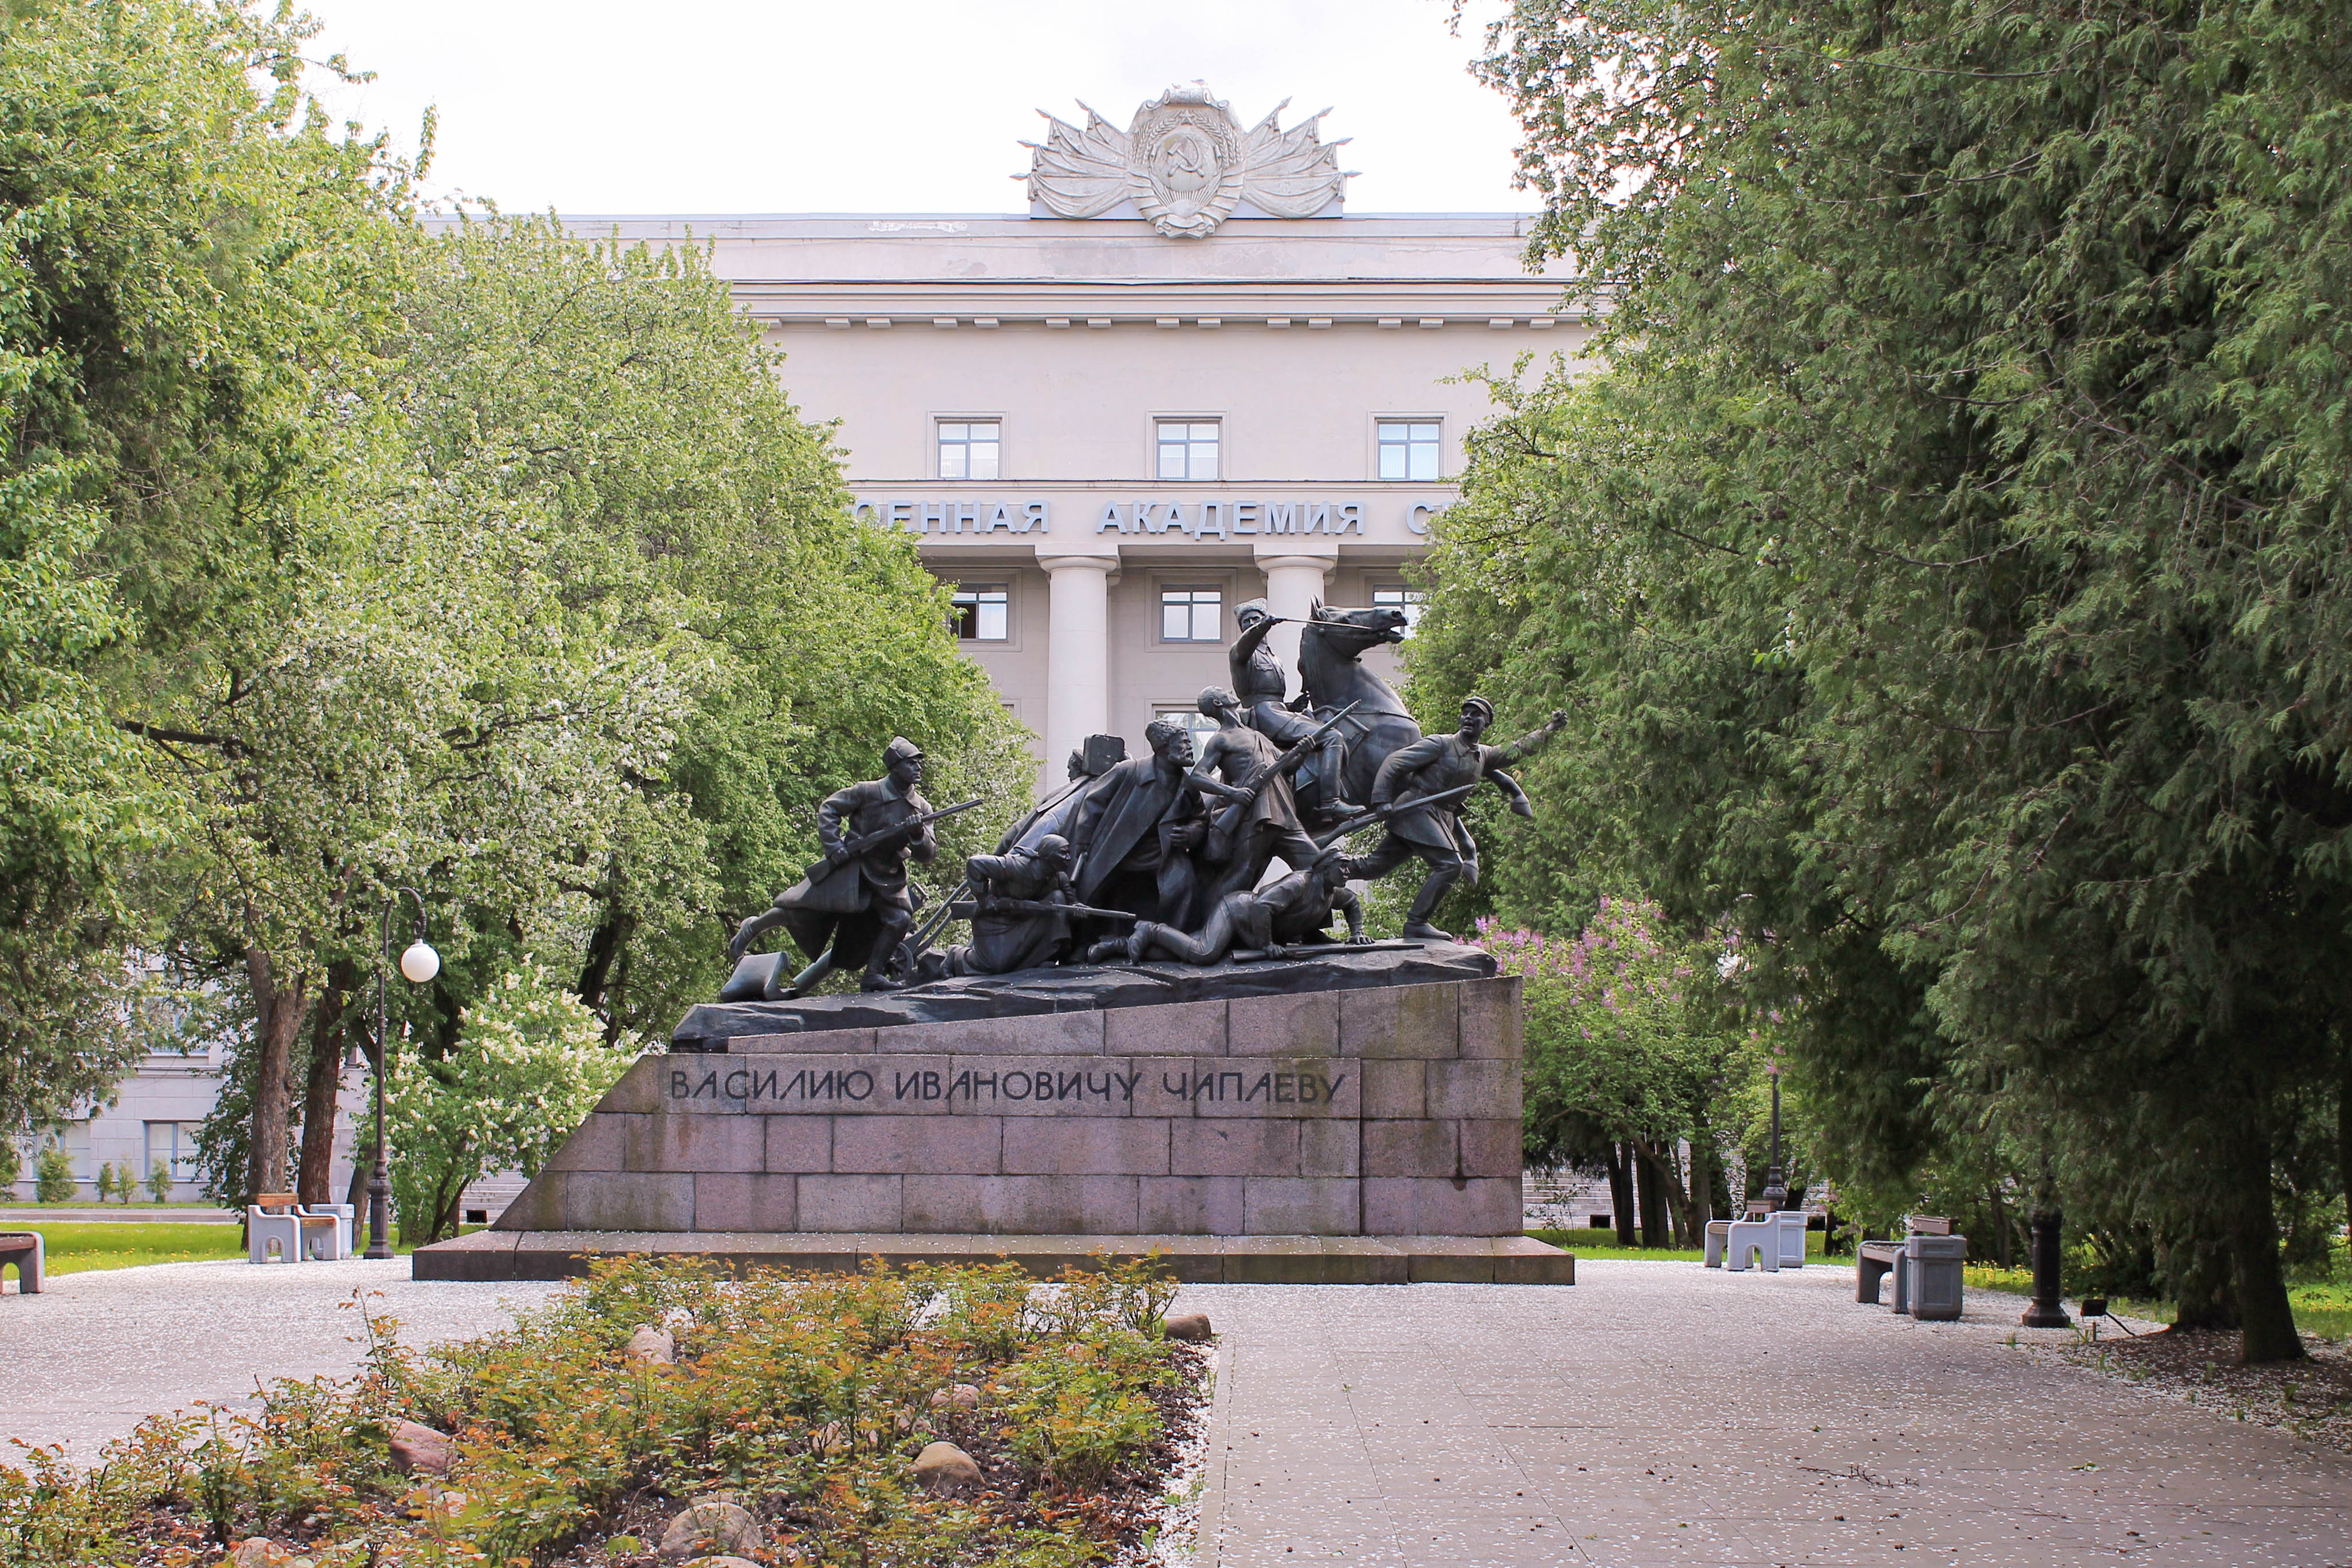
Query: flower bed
{"x": 802, "y": 1400}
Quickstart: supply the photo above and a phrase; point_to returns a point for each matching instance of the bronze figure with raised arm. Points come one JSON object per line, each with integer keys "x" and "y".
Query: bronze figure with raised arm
{"x": 1431, "y": 766}
{"x": 1259, "y": 685}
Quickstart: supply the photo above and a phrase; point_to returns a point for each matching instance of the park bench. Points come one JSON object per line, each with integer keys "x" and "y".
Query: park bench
{"x": 1776, "y": 1241}
{"x": 1925, "y": 1265}
{"x": 277, "y": 1225}
{"x": 26, "y": 1250}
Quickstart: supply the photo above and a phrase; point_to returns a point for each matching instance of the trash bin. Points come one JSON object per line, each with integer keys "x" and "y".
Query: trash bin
{"x": 1930, "y": 1276}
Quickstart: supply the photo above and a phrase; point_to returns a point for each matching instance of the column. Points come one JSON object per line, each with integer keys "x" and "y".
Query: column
{"x": 1077, "y": 652}
{"x": 1294, "y": 587}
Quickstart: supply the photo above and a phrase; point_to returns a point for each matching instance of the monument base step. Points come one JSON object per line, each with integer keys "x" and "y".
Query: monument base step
{"x": 1194, "y": 1259}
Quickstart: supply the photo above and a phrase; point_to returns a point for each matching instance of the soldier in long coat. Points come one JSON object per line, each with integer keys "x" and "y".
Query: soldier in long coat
{"x": 855, "y": 912}
{"x": 1136, "y": 828}
{"x": 1246, "y": 834}
{"x": 1431, "y": 766}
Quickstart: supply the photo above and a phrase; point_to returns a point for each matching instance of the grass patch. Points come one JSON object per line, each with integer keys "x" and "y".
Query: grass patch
{"x": 801, "y": 1399}
{"x": 2322, "y": 1308}
{"x": 1604, "y": 1244}
{"x": 74, "y": 1247}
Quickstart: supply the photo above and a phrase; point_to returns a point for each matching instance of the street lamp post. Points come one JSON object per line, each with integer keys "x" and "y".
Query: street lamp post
{"x": 419, "y": 963}
{"x": 1776, "y": 1182}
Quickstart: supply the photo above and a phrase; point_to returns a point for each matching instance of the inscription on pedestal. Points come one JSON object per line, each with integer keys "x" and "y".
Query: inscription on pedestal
{"x": 1382, "y": 1110}
{"x": 828, "y": 1086}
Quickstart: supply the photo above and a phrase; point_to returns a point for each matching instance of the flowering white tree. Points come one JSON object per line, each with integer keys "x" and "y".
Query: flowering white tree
{"x": 530, "y": 1064}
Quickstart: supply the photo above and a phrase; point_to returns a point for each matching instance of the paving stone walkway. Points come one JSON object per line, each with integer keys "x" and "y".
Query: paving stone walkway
{"x": 1659, "y": 1413}
{"x": 95, "y": 1352}
{"x": 1653, "y": 1413}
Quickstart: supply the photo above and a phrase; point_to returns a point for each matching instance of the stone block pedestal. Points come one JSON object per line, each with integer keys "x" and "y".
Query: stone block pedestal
{"x": 1247, "y": 1132}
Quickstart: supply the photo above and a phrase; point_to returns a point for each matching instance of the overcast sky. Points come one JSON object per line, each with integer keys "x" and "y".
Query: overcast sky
{"x": 783, "y": 105}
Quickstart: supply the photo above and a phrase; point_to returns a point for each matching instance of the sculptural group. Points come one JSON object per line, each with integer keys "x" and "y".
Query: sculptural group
{"x": 1163, "y": 856}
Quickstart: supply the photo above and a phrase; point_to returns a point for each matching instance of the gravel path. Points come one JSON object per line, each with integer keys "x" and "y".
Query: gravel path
{"x": 95, "y": 1352}
{"x": 1653, "y": 1413}
{"x": 1663, "y": 1413}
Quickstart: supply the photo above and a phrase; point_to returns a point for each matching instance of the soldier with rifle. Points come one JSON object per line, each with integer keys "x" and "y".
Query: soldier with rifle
{"x": 1443, "y": 764}
{"x": 853, "y": 905}
{"x": 1240, "y": 766}
{"x": 1290, "y": 912}
{"x": 1020, "y": 914}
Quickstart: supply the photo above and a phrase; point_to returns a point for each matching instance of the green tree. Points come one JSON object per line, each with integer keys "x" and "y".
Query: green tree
{"x": 1948, "y": 571}
{"x": 529, "y": 1067}
{"x": 159, "y": 1181}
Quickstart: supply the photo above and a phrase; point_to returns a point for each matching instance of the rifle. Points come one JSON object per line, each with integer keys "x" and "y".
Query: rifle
{"x": 850, "y": 849}
{"x": 964, "y": 909}
{"x": 1230, "y": 819}
{"x": 1358, "y": 822}
{"x": 921, "y": 936}
{"x": 1314, "y": 950}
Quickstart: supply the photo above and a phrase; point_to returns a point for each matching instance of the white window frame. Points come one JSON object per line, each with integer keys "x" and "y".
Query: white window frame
{"x": 942, "y": 423}
{"x": 1191, "y": 425}
{"x": 1004, "y": 639}
{"x": 1199, "y": 724}
{"x": 1384, "y": 423}
{"x": 1193, "y": 608}
{"x": 1402, "y": 596}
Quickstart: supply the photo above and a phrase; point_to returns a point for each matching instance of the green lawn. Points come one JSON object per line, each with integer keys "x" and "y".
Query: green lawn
{"x": 1603, "y": 1244}
{"x": 75, "y": 1246}
{"x": 78, "y": 1245}
{"x": 2324, "y": 1309}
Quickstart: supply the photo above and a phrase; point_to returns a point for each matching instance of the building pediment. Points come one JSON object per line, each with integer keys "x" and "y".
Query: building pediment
{"x": 1185, "y": 165}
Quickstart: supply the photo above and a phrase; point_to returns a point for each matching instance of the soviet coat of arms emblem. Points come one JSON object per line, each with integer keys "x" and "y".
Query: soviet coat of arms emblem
{"x": 1185, "y": 163}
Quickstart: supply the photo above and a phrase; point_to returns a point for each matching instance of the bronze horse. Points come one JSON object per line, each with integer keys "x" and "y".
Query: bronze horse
{"x": 1331, "y": 645}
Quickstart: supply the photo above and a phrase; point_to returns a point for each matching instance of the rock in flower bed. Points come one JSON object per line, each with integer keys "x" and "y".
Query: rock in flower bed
{"x": 791, "y": 1413}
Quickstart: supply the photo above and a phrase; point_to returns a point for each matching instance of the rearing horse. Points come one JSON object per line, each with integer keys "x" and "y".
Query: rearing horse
{"x": 1330, "y": 650}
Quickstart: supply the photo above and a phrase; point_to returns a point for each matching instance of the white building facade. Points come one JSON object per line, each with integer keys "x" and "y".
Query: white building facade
{"x": 1112, "y": 420}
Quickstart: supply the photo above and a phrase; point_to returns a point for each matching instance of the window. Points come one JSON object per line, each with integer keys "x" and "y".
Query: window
{"x": 968, "y": 450}
{"x": 1409, "y": 449}
{"x": 1408, "y": 600}
{"x": 1200, "y": 724}
{"x": 1191, "y": 615}
{"x": 1188, "y": 450}
{"x": 983, "y": 612}
{"x": 174, "y": 1144}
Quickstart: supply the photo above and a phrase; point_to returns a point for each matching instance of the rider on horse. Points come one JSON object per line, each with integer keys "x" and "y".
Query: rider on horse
{"x": 1260, "y": 685}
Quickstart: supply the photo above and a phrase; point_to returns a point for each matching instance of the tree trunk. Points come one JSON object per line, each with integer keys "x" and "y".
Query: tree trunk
{"x": 2264, "y": 1313}
{"x": 1648, "y": 1189}
{"x": 1621, "y": 1194}
{"x": 277, "y": 1010}
{"x": 321, "y": 1092}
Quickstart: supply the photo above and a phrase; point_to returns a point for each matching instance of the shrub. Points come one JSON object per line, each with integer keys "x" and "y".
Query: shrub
{"x": 159, "y": 1182}
{"x": 53, "y": 1177}
{"x": 12, "y": 1165}
{"x": 805, "y": 1398}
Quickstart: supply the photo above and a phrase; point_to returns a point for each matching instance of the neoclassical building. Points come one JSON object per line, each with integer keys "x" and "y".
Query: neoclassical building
{"x": 1183, "y": 379}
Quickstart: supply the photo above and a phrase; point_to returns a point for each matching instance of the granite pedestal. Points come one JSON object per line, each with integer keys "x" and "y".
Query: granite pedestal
{"x": 1353, "y": 1119}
